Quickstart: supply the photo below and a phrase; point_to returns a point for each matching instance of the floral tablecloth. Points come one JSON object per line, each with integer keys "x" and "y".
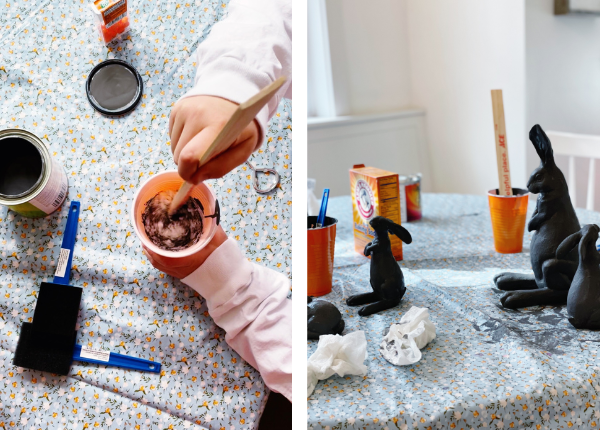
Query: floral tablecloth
{"x": 47, "y": 50}
{"x": 488, "y": 367}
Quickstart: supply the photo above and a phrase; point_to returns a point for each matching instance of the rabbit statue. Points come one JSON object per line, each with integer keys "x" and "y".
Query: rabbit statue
{"x": 552, "y": 221}
{"x": 387, "y": 280}
{"x": 323, "y": 318}
{"x": 583, "y": 301}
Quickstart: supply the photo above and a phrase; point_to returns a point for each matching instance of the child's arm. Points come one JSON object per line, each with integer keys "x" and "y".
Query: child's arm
{"x": 250, "y": 303}
{"x": 246, "y": 300}
{"x": 244, "y": 53}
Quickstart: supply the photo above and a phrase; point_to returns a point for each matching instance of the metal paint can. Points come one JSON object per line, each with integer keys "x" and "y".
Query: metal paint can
{"x": 31, "y": 182}
{"x": 410, "y": 197}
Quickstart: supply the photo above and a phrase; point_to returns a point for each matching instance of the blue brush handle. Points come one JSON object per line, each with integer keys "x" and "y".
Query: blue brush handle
{"x": 323, "y": 211}
{"x": 120, "y": 360}
{"x": 68, "y": 242}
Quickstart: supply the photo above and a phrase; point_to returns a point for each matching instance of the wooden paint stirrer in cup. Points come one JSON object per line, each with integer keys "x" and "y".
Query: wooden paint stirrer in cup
{"x": 501, "y": 148}
{"x": 243, "y": 115}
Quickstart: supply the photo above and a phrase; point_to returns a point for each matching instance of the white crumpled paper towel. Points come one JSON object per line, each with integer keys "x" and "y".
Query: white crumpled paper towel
{"x": 402, "y": 345}
{"x": 343, "y": 355}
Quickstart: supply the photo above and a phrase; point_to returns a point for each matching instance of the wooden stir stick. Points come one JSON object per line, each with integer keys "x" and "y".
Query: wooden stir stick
{"x": 501, "y": 148}
{"x": 243, "y": 115}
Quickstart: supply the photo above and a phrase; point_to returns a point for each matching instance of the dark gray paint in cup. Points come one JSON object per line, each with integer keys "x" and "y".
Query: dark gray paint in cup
{"x": 114, "y": 87}
{"x": 21, "y": 166}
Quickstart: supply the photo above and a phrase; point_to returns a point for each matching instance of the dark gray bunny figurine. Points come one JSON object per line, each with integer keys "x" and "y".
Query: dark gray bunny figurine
{"x": 323, "y": 318}
{"x": 583, "y": 302}
{"x": 387, "y": 280}
{"x": 553, "y": 220}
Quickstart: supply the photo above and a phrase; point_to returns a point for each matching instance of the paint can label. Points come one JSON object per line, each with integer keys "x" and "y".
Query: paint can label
{"x": 403, "y": 214}
{"x": 413, "y": 201}
{"x": 54, "y": 192}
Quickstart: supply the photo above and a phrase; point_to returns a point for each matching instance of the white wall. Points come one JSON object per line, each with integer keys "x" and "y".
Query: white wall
{"x": 459, "y": 51}
{"x": 369, "y": 52}
{"x": 563, "y": 79}
{"x": 394, "y": 142}
{"x": 443, "y": 57}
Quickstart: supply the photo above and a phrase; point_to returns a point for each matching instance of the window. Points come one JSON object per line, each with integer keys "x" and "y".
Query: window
{"x": 321, "y": 101}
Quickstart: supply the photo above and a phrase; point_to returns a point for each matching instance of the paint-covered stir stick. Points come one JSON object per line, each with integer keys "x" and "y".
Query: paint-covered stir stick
{"x": 501, "y": 146}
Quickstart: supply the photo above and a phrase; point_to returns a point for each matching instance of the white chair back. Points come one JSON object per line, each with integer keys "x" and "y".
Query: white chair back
{"x": 578, "y": 145}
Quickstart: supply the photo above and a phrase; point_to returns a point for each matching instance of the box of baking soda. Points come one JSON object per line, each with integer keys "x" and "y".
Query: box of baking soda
{"x": 374, "y": 192}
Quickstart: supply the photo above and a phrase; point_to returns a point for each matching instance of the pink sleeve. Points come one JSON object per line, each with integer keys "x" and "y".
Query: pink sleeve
{"x": 245, "y": 52}
{"x": 250, "y": 303}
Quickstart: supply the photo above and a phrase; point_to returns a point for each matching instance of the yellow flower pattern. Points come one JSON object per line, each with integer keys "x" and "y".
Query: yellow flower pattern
{"x": 129, "y": 307}
{"x": 488, "y": 367}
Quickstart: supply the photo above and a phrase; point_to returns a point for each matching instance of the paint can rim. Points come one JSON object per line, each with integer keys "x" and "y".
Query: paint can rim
{"x": 36, "y": 189}
{"x": 128, "y": 107}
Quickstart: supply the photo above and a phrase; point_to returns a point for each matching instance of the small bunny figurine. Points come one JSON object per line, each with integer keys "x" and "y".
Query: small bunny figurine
{"x": 583, "y": 301}
{"x": 387, "y": 280}
{"x": 553, "y": 220}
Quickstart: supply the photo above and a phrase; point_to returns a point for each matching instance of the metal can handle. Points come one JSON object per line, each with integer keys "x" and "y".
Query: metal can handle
{"x": 264, "y": 170}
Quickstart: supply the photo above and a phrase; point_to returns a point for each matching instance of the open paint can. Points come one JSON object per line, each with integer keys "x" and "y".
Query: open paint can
{"x": 31, "y": 182}
{"x": 410, "y": 197}
{"x": 170, "y": 180}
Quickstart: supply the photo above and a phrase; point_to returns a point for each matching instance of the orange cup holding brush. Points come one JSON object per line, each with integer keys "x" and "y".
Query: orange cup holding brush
{"x": 321, "y": 247}
{"x": 170, "y": 180}
{"x": 508, "y": 219}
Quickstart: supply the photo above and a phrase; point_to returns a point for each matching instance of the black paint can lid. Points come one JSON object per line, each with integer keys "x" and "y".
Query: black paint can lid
{"x": 114, "y": 87}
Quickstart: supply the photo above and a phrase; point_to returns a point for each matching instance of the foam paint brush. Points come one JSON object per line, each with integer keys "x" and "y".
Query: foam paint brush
{"x": 323, "y": 211}
{"x": 505, "y": 188}
{"x": 48, "y": 342}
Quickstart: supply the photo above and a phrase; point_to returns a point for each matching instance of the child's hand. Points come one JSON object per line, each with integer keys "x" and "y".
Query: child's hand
{"x": 182, "y": 267}
{"x": 194, "y": 124}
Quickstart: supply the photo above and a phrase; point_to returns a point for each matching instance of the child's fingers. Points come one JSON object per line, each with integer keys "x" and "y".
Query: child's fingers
{"x": 225, "y": 162}
{"x": 175, "y": 134}
{"x": 187, "y": 134}
{"x": 188, "y": 154}
{"x": 172, "y": 118}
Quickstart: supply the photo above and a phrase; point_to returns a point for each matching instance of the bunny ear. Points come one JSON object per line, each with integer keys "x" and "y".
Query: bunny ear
{"x": 400, "y": 231}
{"x": 590, "y": 238}
{"x": 541, "y": 143}
{"x": 583, "y": 244}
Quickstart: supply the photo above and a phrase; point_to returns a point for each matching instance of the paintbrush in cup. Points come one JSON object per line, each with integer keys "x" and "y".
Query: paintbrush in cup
{"x": 243, "y": 115}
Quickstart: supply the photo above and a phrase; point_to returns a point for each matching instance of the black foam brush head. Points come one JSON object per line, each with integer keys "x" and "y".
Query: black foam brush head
{"x": 48, "y": 342}
{"x": 43, "y": 354}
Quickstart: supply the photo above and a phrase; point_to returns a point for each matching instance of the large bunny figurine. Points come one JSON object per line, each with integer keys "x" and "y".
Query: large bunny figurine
{"x": 583, "y": 302}
{"x": 387, "y": 280}
{"x": 553, "y": 220}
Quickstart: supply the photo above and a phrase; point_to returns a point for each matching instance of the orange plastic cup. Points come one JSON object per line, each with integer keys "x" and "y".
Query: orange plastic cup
{"x": 508, "y": 219}
{"x": 171, "y": 180}
{"x": 321, "y": 247}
